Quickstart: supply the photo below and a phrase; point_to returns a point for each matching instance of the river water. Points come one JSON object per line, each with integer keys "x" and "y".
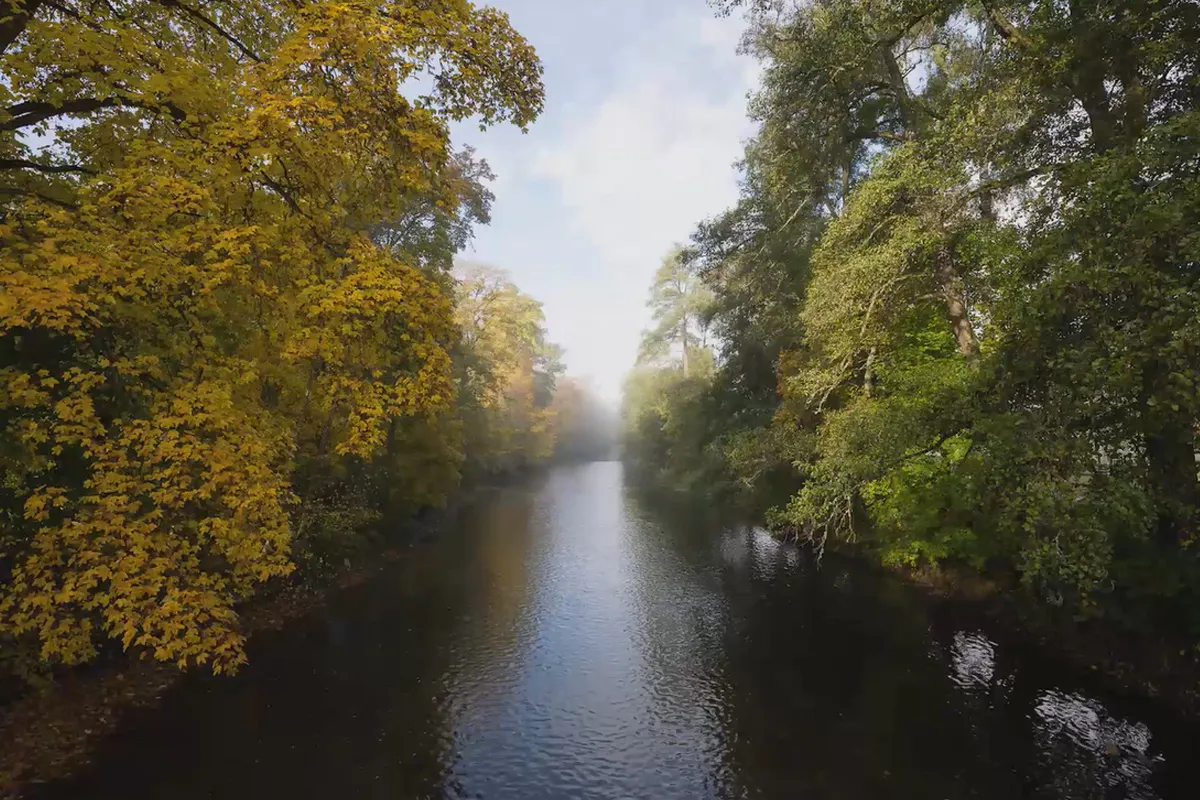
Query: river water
{"x": 569, "y": 638}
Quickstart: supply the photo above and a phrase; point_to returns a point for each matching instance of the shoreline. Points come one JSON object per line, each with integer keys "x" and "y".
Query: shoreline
{"x": 1150, "y": 667}
{"x": 47, "y": 735}
{"x": 50, "y": 735}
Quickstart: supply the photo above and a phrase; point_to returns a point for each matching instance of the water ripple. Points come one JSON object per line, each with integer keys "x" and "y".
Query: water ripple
{"x": 573, "y": 639}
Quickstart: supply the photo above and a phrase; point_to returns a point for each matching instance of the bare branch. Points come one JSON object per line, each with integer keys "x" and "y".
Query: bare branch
{"x": 224, "y": 34}
{"x": 31, "y": 112}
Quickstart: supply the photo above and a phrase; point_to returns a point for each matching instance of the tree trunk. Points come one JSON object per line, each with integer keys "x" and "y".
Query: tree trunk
{"x": 326, "y": 430}
{"x": 683, "y": 336}
{"x": 869, "y": 374}
{"x": 14, "y": 19}
{"x": 1171, "y": 452}
{"x": 899, "y": 90}
{"x": 1171, "y": 460}
{"x": 1092, "y": 96}
{"x": 1089, "y": 74}
{"x": 846, "y": 167}
{"x": 383, "y": 489}
{"x": 987, "y": 202}
{"x": 956, "y": 305}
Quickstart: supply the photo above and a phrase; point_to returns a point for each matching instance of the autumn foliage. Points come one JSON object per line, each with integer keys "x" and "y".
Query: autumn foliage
{"x": 202, "y": 333}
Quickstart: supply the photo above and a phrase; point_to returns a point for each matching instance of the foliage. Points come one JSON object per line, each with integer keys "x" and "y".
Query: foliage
{"x": 226, "y": 317}
{"x": 585, "y": 428}
{"x": 956, "y": 304}
{"x": 667, "y": 424}
{"x": 678, "y": 303}
{"x": 509, "y": 373}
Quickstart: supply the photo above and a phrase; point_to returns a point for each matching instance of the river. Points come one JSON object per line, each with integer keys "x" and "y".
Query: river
{"x": 569, "y": 638}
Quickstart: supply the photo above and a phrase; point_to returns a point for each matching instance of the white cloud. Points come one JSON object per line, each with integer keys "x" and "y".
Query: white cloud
{"x": 637, "y": 171}
{"x": 657, "y": 155}
{"x": 645, "y": 167}
{"x": 645, "y": 120}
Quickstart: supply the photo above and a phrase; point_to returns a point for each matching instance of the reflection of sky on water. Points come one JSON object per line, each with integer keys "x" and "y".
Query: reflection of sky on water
{"x": 756, "y": 548}
{"x": 1081, "y": 745}
{"x": 973, "y": 660}
{"x": 1081, "y": 750}
{"x": 569, "y": 640}
{"x": 734, "y": 550}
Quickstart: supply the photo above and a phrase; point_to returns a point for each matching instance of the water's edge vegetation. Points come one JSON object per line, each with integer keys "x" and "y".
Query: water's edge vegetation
{"x": 952, "y": 323}
{"x": 50, "y": 730}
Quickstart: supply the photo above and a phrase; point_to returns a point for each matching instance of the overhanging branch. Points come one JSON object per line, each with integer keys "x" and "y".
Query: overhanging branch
{"x": 45, "y": 198}
{"x": 48, "y": 169}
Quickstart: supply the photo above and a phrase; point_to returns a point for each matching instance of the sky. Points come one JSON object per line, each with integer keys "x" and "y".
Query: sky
{"x": 645, "y": 120}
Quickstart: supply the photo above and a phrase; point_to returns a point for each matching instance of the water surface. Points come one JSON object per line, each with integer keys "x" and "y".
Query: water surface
{"x": 571, "y": 638}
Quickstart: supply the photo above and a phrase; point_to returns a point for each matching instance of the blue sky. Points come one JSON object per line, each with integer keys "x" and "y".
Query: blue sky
{"x": 645, "y": 118}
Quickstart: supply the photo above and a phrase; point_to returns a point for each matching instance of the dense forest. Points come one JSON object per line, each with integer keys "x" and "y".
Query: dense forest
{"x": 233, "y": 335}
{"x": 953, "y": 317}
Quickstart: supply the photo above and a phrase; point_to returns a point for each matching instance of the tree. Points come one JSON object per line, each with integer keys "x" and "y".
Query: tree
{"x": 678, "y": 303}
{"x": 585, "y": 429}
{"x": 196, "y": 328}
{"x": 958, "y": 293}
{"x": 508, "y": 373}
{"x": 988, "y": 126}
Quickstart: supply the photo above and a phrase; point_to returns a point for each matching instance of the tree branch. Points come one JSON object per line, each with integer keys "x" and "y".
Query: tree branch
{"x": 49, "y": 169}
{"x": 1008, "y": 31}
{"x": 196, "y": 15}
{"x": 283, "y": 192}
{"x": 31, "y": 112}
{"x": 6, "y": 190}
{"x": 941, "y": 440}
{"x": 890, "y": 41}
{"x": 874, "y": 133}
{"x": 13, "y": 25}
{"x": 1006, "y": 182}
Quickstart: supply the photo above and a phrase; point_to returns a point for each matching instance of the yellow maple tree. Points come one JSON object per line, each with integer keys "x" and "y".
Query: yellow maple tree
{"x": 190, "y": 296}
{"x": 508, "y": 373}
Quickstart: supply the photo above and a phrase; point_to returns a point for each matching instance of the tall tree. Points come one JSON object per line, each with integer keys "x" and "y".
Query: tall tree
{"x": 963, "y": 252}
{"x": 679, "y": 302}
{"x": 194, "y": 319}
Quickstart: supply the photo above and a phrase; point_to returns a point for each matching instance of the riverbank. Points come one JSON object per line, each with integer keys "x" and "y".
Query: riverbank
{"x": 655, "y": 650}
{"x": 49, "y": 734}
{"x": 1147, "y": 664}
{"x": 1151, "y": 665}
